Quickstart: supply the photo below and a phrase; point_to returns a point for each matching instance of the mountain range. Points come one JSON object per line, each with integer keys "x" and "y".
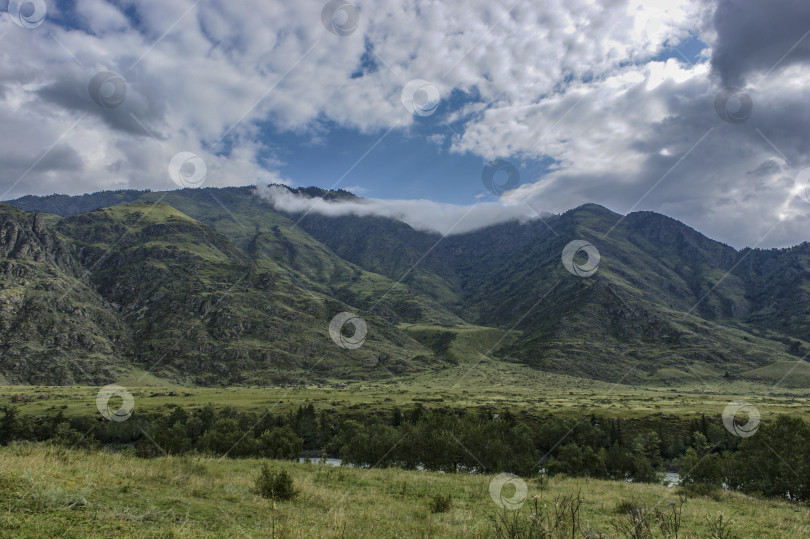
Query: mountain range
{"x": 216, "y": 286}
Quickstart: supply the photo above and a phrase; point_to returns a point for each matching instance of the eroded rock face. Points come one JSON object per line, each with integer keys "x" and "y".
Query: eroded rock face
{"x": 26, "y": 237}
{"x": 54, "y": 329}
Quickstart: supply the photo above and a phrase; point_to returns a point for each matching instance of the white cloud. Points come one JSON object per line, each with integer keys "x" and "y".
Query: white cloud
{"x": 425, "y": 215}
{"x": 573, "y": 81}
{"x": 101, "y": 16}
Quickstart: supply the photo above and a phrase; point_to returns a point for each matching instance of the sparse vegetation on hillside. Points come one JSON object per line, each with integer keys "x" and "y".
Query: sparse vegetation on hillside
{"x": 254, "y": 290}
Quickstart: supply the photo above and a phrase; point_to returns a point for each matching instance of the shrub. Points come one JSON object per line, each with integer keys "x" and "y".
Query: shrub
{"x": 277, "y": 485}
{"x": 669, "y": 521}
{"x": 280, "y": 443}
{"x": 67, "y": 436}
{"x": 648, "y": 445}
{"x": 702, "y": 489}
{"x": 441, "y": 503}
{"x": 699, "y": 465}
{"x": 643, "y": 471}
{"x": 719, "y": 527}
{"x": 372, "y": 446}
{"x": 626, "y": 506}
{"x": 560, "y": 518}
{"x": 576, "y": 461}
{"x": 172, "y": 439}
{"x": 637, "y": 521}
{"x": 636, "y": 524}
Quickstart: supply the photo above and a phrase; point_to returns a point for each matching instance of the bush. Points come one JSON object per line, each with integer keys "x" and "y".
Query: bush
{"x": 719, "y": 527}
{"x": 701, "y": 489}
{"x": 277, "y": 485}
{"x": 560, "y": 518}
{"x": 576, "y": 461}
{"x": 67, "y": 436}
{"x": 618, "y": 462}
{"x": 636, "y": 523}
{"x": 638, "y": 518}
{"x": 643, "y": 471}
{"x": 441, "y": 503}
{"x": 373, "y": 445}
{"x": 627, "y": 506}
{"x": 280, "y": 443}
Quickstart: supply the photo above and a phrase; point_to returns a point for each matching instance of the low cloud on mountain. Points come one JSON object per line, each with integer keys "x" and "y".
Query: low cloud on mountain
{"x": 426, "y": 215}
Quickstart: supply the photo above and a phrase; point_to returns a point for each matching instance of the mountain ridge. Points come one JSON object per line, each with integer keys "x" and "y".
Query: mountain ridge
{"x": 664, "y": 296}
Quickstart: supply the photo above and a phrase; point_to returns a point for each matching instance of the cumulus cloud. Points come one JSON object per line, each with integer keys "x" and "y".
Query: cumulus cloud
{"x": 583, "y": 85}
{"x": 649, "y": 136}
{"x": 662, "y": 146}
{"x": 425, "y": 215}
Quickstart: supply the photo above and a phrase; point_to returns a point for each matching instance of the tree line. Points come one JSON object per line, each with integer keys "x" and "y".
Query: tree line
{"x": 774, "y": 462}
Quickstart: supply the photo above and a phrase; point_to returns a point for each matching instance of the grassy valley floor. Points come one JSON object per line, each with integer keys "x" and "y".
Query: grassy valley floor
{"x": 489, "y": 384}
{"x": 55, "y": 492}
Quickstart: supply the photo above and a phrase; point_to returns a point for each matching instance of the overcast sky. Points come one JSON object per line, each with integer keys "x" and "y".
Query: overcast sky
{"x": 698, "y": 110}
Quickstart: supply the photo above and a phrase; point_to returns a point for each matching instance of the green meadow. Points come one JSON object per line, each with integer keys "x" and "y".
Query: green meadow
{"x": 58, "y": 492}
{"x": 470, "y": 385}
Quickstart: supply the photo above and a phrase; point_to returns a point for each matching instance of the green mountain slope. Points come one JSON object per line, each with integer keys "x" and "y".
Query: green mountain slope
{"x": 202, "y": 310}
{"x": 664, "y": 295}
{"x": 217, "y": 286}
{"x": 54, "y": 328}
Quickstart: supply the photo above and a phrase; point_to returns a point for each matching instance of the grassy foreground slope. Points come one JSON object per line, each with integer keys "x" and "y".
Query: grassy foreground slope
{"x": 54, "y": 492}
